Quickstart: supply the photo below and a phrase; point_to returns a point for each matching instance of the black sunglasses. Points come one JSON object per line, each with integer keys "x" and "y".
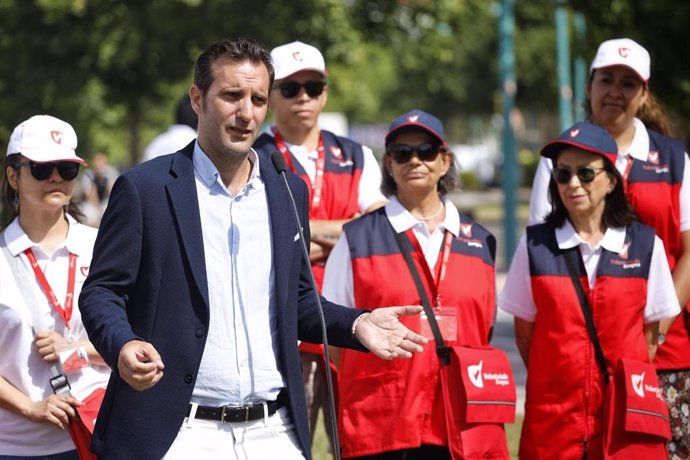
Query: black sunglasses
{"x": 584, "y": 174}
{"x": 68, "y": 170}
{"x": 402, "y": 153}
{"x": 290, "y": 89}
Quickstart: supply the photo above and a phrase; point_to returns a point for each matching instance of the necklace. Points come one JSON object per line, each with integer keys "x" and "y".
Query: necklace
{"x": 431, "y": 217}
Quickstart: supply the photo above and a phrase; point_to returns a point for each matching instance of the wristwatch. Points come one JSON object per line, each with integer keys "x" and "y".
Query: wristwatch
{"x": 661, "y": 339}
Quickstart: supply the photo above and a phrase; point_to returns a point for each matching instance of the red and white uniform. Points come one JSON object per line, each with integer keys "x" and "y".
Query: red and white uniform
{"x": 628, "y": 283}
{"x": 21, "y": 364}
{"x": 391, "y": 405}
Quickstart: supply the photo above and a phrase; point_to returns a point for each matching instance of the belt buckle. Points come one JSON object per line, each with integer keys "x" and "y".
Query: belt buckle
{"x": 222, "y": 414}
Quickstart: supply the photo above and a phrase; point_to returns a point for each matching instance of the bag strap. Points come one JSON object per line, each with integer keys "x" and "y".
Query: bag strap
{"x": 571, "y": 261}
{"x": 58, "y": 380}
{"x": 442, "y": 350}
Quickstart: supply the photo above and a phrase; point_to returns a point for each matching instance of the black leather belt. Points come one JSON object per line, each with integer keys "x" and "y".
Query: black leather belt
{"x": 234, "y": 414}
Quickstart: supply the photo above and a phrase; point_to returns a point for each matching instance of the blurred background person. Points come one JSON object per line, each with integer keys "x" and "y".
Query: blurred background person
{"x": 46, "y": 257}
{"x": 591, "y": 222}
{"x": 343, "y": 178}
{"x": 96, "y": 184}
{"x": 656, "y": 177}
{"x": 178, "y": 135}
{"x": 397, "y": 410}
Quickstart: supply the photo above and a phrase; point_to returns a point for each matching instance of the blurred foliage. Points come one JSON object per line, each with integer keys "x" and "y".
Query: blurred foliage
{"x": 115, "y": 68}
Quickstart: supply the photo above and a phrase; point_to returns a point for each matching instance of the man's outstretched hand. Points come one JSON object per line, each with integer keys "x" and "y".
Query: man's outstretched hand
{"x": 384, "y": 335}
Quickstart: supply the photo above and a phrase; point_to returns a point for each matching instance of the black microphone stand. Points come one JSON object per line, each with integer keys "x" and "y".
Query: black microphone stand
{"x": 279, "y": 164}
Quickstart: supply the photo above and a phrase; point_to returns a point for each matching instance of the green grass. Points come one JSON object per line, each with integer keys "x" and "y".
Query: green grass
{"x": 320, "y": 448}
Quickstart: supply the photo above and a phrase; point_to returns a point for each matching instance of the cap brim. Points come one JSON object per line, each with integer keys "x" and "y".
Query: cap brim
{"x": 418, "y": 126}
{"x": 616, "y": 64}
{"x": 323, "y": 73}
{"x": 71, "y": 157}
{"x": 553, "y": 148}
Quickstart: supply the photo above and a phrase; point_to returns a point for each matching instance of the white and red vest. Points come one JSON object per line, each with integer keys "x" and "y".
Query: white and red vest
{"x": 564, "y": 410}
{"x": 391, "y": 405}
{"x": 653, "y": 189}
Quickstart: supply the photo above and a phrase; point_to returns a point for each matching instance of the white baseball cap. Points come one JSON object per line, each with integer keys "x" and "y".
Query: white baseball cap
{"x": 625, "y": 52}
{"x": 294, "y": 57}
{"x": 43, "y": 139}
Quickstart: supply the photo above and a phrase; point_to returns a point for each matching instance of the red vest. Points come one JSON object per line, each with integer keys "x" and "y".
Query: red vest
{"x": 564, "y": 410}
{"x": 653, "y": 189}
{"x": 341, "y": 175}
{"x": 390, "y": 405}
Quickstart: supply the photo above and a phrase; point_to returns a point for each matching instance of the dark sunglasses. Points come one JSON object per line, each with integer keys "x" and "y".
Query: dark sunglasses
{"x": 402, "y": 153}
{"x": 290, "y": 89}
{"x": 584, "y": 174}
{"x": 68, "y": 170}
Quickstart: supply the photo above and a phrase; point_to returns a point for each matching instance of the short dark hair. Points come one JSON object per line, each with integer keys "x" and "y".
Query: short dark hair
{"x": 239, "y": 50}
{"x": 617, "y": 209}
{"x": 185, "y": 114}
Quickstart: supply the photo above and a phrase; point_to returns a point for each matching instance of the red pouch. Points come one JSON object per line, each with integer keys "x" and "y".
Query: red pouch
{"x": 645, "y": 410}
{"x": 489, "y": 385}
{"x": 81, "y": 428}
{"x": 476, "y": 430}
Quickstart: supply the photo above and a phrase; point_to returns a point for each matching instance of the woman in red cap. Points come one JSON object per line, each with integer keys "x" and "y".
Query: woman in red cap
{"x": 656, "y": 178}
{"x": 588, "y": 289}
{"x": 402, "y": 410}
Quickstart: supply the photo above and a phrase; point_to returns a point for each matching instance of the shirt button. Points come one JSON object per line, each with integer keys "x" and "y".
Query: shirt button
{"x": 199, "y": 332}
{"x": 188, "y": 378}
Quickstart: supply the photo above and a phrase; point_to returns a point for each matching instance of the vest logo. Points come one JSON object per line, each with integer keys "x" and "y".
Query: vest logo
{"x": 84, "y": 271}
{"x": 653, "y": 157}
{"x": 637, "y": 382}
{"x": 413, "y": 118}
{"x": 574, "y": 132}
{"x": 624, "y": 52}
{"x": 56, "y": 136}
{"x": 474, "y": 372}
{"x": 466, "y": 229}
{"x": 624, "y": 252}
{"x": 336, "y": 151}
{"x": 297, "y": 56}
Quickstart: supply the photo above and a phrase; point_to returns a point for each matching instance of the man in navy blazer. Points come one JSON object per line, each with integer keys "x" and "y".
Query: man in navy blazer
{"x": 147, "y": 303}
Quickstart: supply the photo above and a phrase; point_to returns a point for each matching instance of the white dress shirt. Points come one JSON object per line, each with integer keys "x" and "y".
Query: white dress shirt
{"x": 239, "y": 364}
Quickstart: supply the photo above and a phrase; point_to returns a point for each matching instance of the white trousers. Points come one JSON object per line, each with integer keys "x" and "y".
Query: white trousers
{"x": 258, "y": 440}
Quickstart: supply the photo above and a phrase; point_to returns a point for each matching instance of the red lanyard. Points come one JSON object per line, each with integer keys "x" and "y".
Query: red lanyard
{"x": 320, "y": 166}
{"x": 628, "y": 165}
{"x": 434, "y": 280}
{"x": 65, "y": 313}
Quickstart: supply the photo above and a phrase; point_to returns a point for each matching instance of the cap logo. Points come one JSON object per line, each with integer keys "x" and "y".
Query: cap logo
{"x": 574, "y": 132}
{"x": 56, "y": 136}
{"x": 413, "y": 118}
{"x": 624, "y": 52}
{"x": 297, "y": 56}
{"x": 653, "y": 157}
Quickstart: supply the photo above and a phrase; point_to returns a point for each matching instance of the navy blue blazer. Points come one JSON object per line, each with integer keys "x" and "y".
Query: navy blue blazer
{"x": 148, "y": 281}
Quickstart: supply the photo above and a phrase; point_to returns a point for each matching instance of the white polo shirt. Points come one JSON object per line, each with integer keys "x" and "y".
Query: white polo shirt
{"x": 517, "y": 299}
{"x": 21, "y": 364}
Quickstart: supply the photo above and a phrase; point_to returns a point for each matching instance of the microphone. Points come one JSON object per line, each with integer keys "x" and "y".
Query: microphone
{"x": 279, "y": 165}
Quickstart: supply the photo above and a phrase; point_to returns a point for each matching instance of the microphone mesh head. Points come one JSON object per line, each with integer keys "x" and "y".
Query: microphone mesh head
{"x": 278, "y": 161}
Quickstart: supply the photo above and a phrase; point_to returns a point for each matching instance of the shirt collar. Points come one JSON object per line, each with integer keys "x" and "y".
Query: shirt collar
{"x": 401, "y": 219}
{"x": 209, "y": 175}
{"x": 639, "y": 147}
{"x": 18, "y": 241}
{"x": 613, "y": 240}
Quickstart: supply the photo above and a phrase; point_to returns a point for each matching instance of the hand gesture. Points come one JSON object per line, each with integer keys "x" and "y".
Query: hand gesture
{"x": 49, "y": 344}
{"x": 384, "y": 335}
{"x": 57, "y": 410}
{"x": 140, "y": 365}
